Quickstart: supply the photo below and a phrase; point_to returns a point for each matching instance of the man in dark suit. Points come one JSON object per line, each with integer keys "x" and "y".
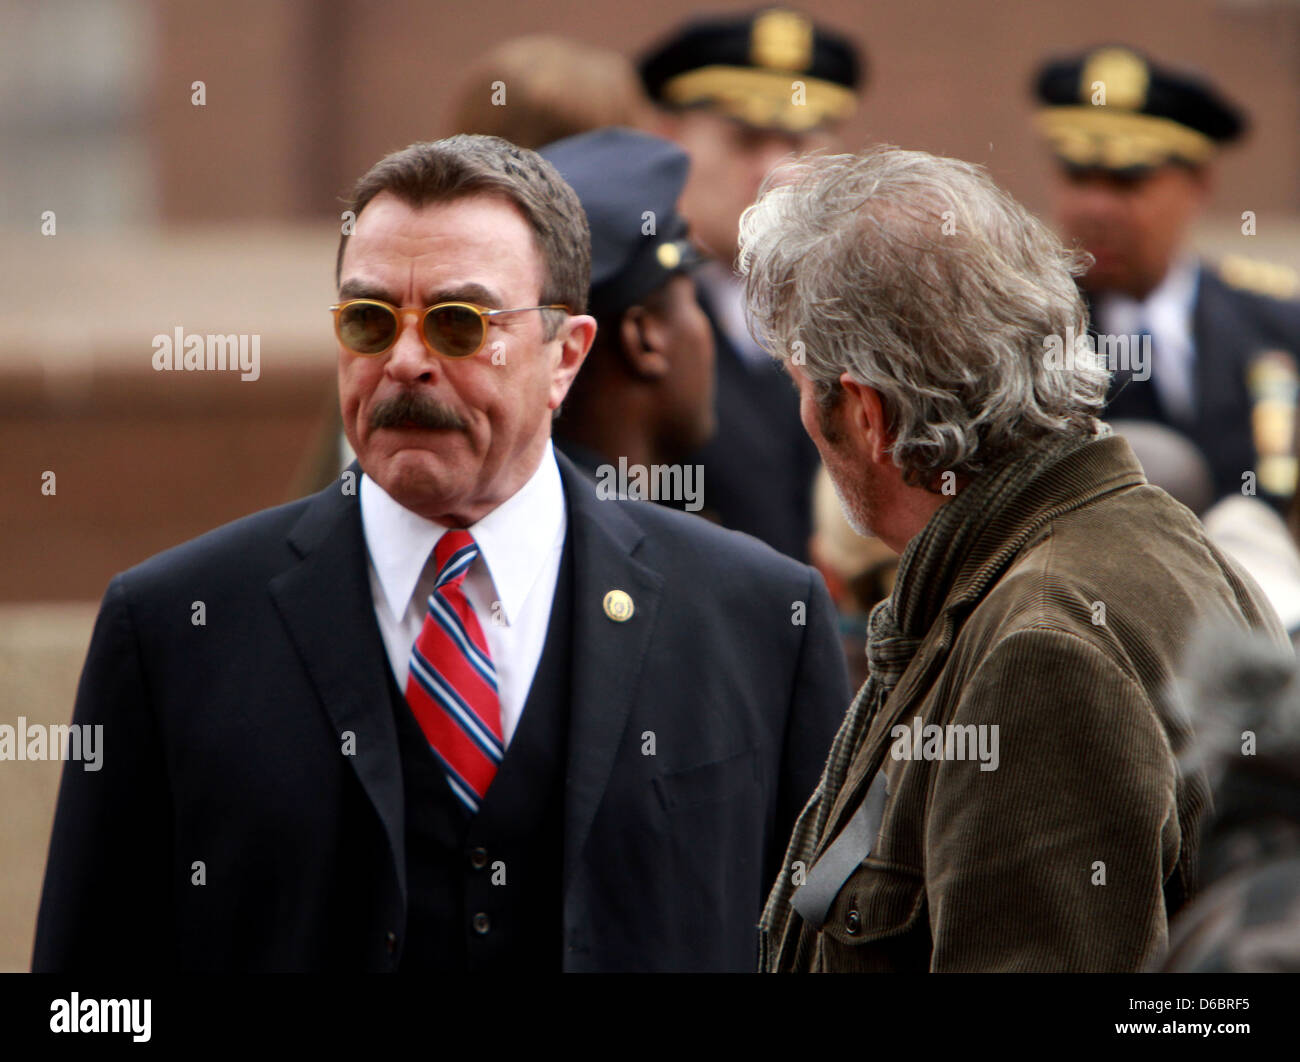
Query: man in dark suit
{"x": 1217, "y": 348}
{"x": 739, "y": 93}
{"x": 453, "y": 712}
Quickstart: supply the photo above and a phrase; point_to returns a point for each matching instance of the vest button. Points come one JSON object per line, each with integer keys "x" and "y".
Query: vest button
{"x": 482, "y": 924}
{"x": 390, "y": 941}
{"x": 478, "y": 858}
{"x": 853, "y": 921}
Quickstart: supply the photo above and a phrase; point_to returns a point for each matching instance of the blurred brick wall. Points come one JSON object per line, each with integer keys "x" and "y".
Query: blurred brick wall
{"x": 303, "y": 95}
{"x": 144, "y": 460}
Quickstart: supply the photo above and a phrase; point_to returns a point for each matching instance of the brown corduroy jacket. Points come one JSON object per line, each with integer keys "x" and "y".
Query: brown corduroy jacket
{"x": 1060, "y": 626}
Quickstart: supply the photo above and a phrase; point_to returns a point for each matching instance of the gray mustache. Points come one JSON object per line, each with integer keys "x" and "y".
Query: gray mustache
{"x": 413, "y": 410}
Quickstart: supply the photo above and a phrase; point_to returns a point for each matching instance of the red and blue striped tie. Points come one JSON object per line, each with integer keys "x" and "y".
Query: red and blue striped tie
{"x": 452, "y": 684}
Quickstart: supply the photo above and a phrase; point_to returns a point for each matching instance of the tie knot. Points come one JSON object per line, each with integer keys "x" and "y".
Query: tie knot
{"x": 453, "y": 555}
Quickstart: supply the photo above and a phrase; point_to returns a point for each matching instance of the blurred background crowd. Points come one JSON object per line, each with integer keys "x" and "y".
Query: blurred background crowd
{"x": 173, "y": 165}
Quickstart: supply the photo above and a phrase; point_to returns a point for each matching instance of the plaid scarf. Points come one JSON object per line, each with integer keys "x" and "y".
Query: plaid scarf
{"x": 895, "y": 630}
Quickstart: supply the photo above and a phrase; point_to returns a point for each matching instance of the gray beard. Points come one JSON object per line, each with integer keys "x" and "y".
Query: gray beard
{"x": 857, "y": 519}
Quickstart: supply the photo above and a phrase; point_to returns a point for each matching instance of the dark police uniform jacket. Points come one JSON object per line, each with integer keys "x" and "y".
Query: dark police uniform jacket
{"x": 265, "y": 802}
{"x": 1231, "y": 326}
{"x": 760, "y": 464}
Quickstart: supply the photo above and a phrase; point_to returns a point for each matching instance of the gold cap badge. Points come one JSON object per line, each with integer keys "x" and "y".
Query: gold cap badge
{"x": 1122, "y": 76}
{"x": 669, "y": 255}
{"x": 781, "y": 40}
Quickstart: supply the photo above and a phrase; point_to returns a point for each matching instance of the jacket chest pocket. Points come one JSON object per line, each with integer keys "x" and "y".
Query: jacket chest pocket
{"x": 709, "y": 783}
{"x": 877, "y": 906}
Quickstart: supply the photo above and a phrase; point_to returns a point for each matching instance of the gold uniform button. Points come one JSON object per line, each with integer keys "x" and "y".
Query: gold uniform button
{"x": 618, "y": 606}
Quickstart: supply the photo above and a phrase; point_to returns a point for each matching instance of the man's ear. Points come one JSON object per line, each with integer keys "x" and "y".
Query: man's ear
{"x": 643, "y": 341}
{"x": 864, "y": 416}
{"x": 575, "y": 338}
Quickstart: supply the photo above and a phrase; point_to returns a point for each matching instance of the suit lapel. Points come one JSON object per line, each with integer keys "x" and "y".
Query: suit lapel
{"x": 1224, "y": 344}
{"x": 1212, "y": 342}
{"x": 325, "y": 603}
{"x": 608, "y": 656}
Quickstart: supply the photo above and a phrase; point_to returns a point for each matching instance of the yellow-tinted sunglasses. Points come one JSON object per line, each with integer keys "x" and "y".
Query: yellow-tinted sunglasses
{"x": 370, "y": 327}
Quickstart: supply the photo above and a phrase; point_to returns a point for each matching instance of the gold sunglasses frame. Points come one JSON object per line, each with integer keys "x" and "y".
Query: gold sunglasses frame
{"x": 400, "y": 313}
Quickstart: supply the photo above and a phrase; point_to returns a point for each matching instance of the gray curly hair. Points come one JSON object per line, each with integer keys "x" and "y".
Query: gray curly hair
{"x": 922, "y": 279}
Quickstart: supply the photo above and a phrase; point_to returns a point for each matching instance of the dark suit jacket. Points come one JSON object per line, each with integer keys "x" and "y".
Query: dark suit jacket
{"x": 759, "y": 465}
{"x": 230, "y": 828}
{"x": 1230, "y": 327}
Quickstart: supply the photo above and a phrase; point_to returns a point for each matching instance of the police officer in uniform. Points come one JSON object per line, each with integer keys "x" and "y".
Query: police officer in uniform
{"x": 645, "y": 392}
{"x": 740, "y": 93}
{"x": 1136, "y": 144}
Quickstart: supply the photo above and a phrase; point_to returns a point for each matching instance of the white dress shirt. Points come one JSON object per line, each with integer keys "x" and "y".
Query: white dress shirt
{"x": 1167, "y": 314}
{"x": 725, "y": 293}
{"x": 510, "y": 585}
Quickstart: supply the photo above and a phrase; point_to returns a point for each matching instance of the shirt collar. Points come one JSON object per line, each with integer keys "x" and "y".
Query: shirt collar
{"x": 1169, "y": 307}
{"x": 514, "y": 539}
{"x": 725, "y": 293}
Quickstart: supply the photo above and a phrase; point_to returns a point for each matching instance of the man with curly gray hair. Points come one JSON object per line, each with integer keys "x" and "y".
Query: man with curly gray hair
{"x": 1004, "y": 792}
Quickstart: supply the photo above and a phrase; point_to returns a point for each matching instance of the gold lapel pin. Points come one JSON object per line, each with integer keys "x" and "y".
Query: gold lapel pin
{"x": 618, "y": 606}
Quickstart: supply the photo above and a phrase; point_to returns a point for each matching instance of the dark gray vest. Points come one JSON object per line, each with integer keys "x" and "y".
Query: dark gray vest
{"x": 484, "y": 891}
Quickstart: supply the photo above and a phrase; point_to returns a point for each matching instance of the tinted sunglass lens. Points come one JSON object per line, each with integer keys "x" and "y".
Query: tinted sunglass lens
{"x": 367, "y": 328}
{"x": 455, "y": 331}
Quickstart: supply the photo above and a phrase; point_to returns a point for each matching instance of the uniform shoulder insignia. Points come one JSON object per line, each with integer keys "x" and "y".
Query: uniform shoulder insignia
{"x": 1261, "y": 278}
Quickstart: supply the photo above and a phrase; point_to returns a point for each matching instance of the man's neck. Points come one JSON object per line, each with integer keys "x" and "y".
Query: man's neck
{"x": 904, "y": 515}
{"x": 906, "y": 525}
{"x": 1175, "y": 271}
{"x": 611, "y": 428}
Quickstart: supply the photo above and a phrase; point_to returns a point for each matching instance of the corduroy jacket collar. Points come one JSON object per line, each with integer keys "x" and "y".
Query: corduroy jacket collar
{"x": 969, "y": 542}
